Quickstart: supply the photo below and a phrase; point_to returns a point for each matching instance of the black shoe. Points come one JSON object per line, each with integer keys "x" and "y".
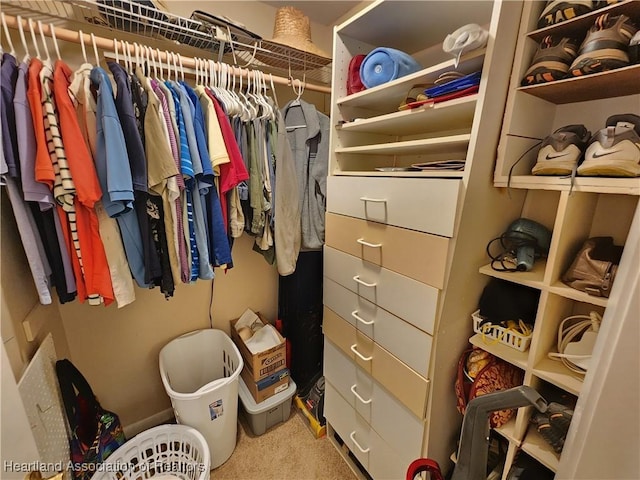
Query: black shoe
{"x": 551, "y": 61}
{"x": 552, "y": 435}
{"x": 560, "y": 417}
{"x": 605, "y": 47}
{"x": 557, "y": 11}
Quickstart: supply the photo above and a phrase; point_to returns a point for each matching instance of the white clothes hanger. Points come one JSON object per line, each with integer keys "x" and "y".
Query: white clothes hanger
{"x": 152, "y": 59}
{"x": 33, "y": 38}
{"x": 44, "y": 42}
{"x": 84, "y": 50}
{"x": 27, "y": 55}
{"x": 273, "y": 90}
{"x": 95, "y": 50}
{"x": 6, "y": 34}
{"x": 136, "y": 49}
{"x": 181, "y": 67}
{"x": 127, "y": 55}
{"x": 115, "y": 49}
{"x": 160, "y": 65}
{"x": 55, "y": 41}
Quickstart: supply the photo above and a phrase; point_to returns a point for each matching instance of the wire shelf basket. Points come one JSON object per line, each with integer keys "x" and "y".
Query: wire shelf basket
{"x": 231, "y": 45}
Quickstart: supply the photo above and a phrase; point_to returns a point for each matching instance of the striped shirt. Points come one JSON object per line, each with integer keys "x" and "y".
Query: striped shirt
{"x": 179, "y": 227}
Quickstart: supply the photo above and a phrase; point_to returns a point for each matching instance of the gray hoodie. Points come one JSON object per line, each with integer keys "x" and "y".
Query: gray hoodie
{"x": 308, "y": 134}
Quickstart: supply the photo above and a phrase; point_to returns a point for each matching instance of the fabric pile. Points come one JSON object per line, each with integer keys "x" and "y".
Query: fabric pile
{"x": 150, "y": 184}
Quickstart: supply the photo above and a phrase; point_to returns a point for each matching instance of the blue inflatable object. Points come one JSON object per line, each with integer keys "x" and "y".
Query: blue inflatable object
{"x": 385, "y": 64}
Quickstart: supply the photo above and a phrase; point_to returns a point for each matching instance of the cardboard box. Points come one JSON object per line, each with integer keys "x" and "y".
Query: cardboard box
{"x": 267, "y": 387}
{"x": 263, "y": 364}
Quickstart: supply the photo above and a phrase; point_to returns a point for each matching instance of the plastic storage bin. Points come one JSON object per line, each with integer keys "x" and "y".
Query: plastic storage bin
{"x": 498, "y": 334}
{"x": 200, "y": 372}
{"x": 272, "y": 411}
{"x": 166, "y": 450}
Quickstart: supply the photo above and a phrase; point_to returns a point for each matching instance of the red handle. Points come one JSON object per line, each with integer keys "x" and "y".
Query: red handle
{"x": 424, "y": 465}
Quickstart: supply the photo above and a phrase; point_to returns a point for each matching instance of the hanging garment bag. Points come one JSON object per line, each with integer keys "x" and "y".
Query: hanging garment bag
{"x": 95, "y": 433}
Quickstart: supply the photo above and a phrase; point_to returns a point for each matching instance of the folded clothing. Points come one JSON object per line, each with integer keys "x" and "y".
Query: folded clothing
{"x": 385, "y": 64}
{"x": 471, "y": 80}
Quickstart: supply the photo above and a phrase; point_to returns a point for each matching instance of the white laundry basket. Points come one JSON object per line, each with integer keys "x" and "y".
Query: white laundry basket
{"x": 166, "y": 451}
{"x": 200, "y": 372}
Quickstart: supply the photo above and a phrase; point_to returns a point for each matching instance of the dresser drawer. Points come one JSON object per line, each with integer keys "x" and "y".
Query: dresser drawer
{"x": 423, "y": 204}
{"x": 413, "y": 301}
{"x": 418, "y": 255}
{"x": 400, "y": 380}
{"x": 387, "y": 416}
{"x": 375, "y": 455}
{"x": 411, "y": 345}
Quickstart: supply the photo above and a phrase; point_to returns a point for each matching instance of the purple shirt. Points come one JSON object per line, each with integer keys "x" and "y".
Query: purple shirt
{"x": 32, "y": 191}
{"x": 9, "y": 75}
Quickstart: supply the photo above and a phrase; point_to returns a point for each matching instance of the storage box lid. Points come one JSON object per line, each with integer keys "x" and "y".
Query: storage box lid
{"x": 254, "y": 408}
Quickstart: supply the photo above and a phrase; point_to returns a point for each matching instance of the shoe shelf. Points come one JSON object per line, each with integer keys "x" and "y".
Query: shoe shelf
{"x": 533, "y": 278}
{"x": 565, "y": 291}
{"x": 573, "y": 209}
{"x": 387, "y": 97}
{"x": 626, "y": 186}
{"x": 612, "y": 83}
{"x": 579, "y": 25}
{"x": 538, "y": 448}
{"x": 557, "y": 374}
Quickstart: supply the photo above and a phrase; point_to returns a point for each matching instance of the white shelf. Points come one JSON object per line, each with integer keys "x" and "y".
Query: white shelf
{"x": 563, "y": 290}
{"x": 454, "y": 114}
{"x": 408, "y": 173}
{"x": 412, "y": 147}
{"x": 582, "y": 23}
{"x": 532, "y": 278}
{"x": 508, "y": 431}
{"x": 538, "y": 448}
{"x": 508, "y": 354}
{"x": 556, "y": 373}
{"x": 387, "y": 97}
{"x": 625, "y": 186}
{"x": 590, "y": 87}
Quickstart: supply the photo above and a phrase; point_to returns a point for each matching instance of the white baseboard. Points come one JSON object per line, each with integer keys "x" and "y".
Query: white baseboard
{"x": 159, "y": 418}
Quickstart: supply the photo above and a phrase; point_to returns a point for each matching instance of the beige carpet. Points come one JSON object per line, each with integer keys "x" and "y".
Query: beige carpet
{"x": 287, "y": 451}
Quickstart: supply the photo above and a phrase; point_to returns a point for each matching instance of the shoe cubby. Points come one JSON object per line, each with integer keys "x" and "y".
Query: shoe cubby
{"x": 552, "y": 311}
{"x": 533, "y": 443}
{"x": 534, "y": 112}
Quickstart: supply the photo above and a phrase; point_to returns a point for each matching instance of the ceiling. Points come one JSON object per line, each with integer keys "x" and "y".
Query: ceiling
{"x": 323, "y": 12}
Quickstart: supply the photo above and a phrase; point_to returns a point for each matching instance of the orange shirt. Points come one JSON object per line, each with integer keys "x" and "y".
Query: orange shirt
{"x": 43, "y": 168}
{"x": 97, "y": 277}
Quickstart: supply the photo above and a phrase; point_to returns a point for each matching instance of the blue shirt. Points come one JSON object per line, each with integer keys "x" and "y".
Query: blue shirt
{"x": 112, "y": 161}
{"x": 112, "y": 166}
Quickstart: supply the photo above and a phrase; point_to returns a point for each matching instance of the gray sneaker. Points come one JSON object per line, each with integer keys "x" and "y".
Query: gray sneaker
{"x": 561, "y": 151}
{"x": 615, "y": 150}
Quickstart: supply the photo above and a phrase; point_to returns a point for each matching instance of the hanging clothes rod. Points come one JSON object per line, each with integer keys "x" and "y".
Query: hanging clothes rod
{"x": 107, "y": 44}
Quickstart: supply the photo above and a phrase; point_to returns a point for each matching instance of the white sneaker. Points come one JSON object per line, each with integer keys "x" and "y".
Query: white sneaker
{"x": 615, "y": 150}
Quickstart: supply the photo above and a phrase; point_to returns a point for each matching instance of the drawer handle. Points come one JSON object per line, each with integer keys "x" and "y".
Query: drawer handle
{"x": 367, "y": 244}
{"x": 355, "y": 315}
{"x": 352, "y": 436}
{"x": 362, "y": 357}
{"x": 376, "y": 200}
{"x": 357, "y": 279}
{"x": 353, "y": 390}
